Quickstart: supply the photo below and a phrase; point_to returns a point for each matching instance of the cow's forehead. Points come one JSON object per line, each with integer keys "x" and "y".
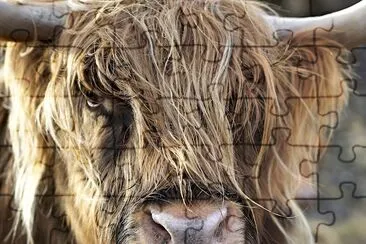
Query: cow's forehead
{"x": 179, "y": 40}
{"x": 190, "y": 72}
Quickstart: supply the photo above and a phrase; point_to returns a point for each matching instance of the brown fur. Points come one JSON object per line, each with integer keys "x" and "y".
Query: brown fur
{"x": 213, "y": 113}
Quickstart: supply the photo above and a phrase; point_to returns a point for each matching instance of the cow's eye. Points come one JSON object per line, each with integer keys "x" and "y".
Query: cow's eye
{"x": 93, "y": 101}
{"x": 93, "y": 104}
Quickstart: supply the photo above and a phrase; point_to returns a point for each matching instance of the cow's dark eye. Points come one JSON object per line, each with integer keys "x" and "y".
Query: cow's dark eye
{"x": 93, "y": 101}
{"x": 93, "y": 104}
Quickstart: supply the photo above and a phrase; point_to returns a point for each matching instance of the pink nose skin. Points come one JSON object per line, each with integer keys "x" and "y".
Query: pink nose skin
{"x": 202, "y": 224}
{"x": 191, "y": 230}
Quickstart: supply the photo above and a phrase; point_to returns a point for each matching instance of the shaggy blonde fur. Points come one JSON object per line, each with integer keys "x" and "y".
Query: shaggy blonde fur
{"x": 180, "y": 93}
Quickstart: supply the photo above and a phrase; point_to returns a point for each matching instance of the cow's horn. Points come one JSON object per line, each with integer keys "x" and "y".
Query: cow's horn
{"x": 21, "y": 23}
{"x": 347, "y": 26}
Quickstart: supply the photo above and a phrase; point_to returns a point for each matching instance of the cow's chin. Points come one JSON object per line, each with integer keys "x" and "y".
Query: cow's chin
{"x": 203, "y": 222}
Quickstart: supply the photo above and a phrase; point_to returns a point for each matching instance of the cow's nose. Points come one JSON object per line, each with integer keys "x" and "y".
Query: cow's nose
{"x": 180, "y": 224}
{"x": 190, "y": 229}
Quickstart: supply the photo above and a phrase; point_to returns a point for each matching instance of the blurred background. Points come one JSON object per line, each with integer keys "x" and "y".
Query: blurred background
{"x": 337, "y": 207}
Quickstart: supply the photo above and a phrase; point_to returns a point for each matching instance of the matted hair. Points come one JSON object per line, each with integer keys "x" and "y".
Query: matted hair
{"x": 194, "y": 92}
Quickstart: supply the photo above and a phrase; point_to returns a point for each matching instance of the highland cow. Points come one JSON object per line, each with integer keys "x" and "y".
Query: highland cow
{"x": 164, "y": 121}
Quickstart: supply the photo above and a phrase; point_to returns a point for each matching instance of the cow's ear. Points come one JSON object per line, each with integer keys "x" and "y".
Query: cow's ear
{"x": 319, "y": 71}
{"x": 319, "y": 74}
{"x": 27, "y": 65}
{"x": 26, "y": 79}
{"x": 303, "y": 107}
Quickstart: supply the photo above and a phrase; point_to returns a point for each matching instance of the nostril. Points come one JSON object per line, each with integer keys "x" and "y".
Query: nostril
{"x": 151, "y": 231}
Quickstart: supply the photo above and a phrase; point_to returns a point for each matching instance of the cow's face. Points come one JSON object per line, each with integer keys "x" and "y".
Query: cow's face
{"x": 168, "y": 123}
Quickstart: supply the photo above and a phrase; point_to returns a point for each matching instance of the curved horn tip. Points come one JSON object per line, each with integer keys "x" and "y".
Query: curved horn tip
{"x": 347, "y": 26}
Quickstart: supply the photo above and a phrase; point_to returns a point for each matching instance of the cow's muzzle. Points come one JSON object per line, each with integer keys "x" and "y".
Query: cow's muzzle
{"x": 201, "y": 222}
